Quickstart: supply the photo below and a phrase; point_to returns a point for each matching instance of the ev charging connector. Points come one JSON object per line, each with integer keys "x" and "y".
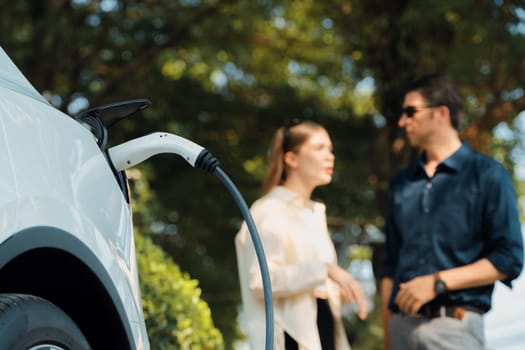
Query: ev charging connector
{"x": 135, "y": 151}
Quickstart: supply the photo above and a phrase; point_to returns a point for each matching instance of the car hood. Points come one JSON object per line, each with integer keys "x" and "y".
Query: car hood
{"x": 12, "y": 78}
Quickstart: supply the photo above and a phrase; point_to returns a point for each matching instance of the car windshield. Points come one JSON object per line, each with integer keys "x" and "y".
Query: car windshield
{"x": 11, "y": 78}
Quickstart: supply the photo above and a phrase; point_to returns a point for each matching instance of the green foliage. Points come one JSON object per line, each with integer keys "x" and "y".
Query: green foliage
{"x": 359, "y": 252}
{"x": 226, "y": 73}
{"x": 176, "y": 316}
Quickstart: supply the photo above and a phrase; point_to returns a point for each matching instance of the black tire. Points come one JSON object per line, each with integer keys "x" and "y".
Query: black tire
{"x": 30, "y": 322}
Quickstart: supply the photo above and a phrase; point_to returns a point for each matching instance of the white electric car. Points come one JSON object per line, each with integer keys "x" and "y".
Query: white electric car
{"x": 68, "y": 274}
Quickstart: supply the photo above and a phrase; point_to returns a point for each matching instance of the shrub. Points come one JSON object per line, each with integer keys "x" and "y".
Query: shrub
{"x": 176, "y": 317}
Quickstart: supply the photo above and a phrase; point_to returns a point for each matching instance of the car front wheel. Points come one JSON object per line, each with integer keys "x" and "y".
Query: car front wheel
{"x": 32, "y": 323}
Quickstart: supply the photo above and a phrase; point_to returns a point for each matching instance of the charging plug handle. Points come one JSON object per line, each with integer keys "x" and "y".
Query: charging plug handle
{"x": 135, "y": 151}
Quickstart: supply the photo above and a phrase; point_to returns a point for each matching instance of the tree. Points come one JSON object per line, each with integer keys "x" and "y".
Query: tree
{"x": 227, "y": 73}
{"x": 479, "y": 44}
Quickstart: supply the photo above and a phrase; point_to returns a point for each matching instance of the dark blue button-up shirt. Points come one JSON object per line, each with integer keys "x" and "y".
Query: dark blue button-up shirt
{"x": 466, "y": 211}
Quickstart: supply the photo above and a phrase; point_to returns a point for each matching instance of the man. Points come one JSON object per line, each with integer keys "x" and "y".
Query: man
{"x": 452, "y": 229}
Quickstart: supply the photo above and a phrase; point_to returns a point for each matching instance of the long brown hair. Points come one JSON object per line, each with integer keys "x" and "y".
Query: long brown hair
{"x": 288, "y": 138}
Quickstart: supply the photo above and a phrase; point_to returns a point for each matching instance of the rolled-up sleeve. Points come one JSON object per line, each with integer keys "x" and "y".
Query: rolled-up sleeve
{"x": 503, "y": 227}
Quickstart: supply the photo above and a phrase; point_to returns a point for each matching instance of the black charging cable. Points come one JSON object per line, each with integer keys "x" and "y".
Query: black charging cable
{"x": 135, "y": 151}
{"x": 209, "y": 163}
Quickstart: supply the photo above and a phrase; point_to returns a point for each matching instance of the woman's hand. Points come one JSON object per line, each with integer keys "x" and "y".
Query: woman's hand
{"x": 351, "y": 290}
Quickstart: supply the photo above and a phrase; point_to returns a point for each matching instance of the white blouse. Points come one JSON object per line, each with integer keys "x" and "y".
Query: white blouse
{"x": 297, "y": 247}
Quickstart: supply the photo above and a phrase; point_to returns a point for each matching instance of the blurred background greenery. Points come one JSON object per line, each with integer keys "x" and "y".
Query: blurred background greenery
{"x": 225, "y": 74}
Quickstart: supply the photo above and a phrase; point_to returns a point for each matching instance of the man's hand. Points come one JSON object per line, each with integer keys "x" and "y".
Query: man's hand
{"x": 386, "y": 290}
{"x": 351, "y": 290}
{"x": 415, "y": 293}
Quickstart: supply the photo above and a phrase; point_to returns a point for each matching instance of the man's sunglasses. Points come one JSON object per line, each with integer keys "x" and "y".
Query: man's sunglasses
{"x": 410, "y": 111}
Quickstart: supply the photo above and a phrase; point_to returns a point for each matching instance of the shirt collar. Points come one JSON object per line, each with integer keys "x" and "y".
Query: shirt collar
{"x": 455, "y": 162}
{"x": 291, "y": 197}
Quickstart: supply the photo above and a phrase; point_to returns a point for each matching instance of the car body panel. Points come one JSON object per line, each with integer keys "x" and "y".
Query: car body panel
{"x": 53, "y": 175}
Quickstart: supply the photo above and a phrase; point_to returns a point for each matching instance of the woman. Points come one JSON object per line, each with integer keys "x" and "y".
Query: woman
{"x": 307, "y": 284}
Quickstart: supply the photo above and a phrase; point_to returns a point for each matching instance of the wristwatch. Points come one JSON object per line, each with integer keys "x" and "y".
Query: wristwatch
{"x": 440, "y": 286}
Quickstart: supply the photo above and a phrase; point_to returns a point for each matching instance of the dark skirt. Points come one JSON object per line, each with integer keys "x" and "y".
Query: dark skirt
{"x": 325, "y": 326}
